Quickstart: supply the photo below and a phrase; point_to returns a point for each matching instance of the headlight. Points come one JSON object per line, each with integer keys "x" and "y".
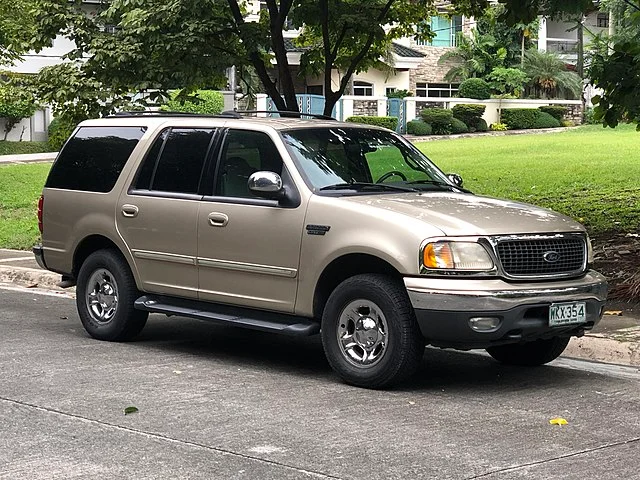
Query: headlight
{"x": 589, "y": 251}
{"x": 466, "y": 256}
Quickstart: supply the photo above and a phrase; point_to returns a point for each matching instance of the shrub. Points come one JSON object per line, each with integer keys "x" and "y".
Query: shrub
{"x": 418, "y": 127}
{"x": 204, "y": 102}
{"x": 440, "y": 120}
{"x": 474, "y": 88}
{"x": 482, "y": 126}
{"x": 19, "y": 148}
{"x": 520, "y": 118}
{"x": 458, "y": 126}
{"x": 59, "y": 130}
{"x": 556, "y": 111}
{"x": 589, "y": 117}
{"x": 15, "y": 105}
{"x": 567, "y": 123}
{"x": 498, "y": 127}
{"x": 387, "y": 122}
{"x": 470, "y": 114}
{"x": 400, "y": 94}
{"x": 546, "y": 120}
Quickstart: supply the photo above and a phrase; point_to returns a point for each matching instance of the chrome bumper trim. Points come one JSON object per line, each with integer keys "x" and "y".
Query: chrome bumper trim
{"x": 496, "y": 294}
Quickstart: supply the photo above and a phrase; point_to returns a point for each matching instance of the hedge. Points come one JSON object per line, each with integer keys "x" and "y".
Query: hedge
{"x": 474, "y": 88}
{"x": 470, "y": 114}
{"x": 204, "y": 102}
{"x": 418, "y": 127}
{"x": 59, "y": 130}
{"x": 523, "y": 118}
{"x": 546, "y": 120}
{"x": 18, "y": 148}
{"x": 387, "y": 122}
{"x": 556, "y": 111}
{"x": 458, "y": 126}
{"x": 482, "y": 126}
{"x": 440, "y": 120}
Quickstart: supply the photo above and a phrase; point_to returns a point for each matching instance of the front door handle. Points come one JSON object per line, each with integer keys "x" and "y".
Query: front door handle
{"x": 129, "y": 211}
{"x": 218, "y": 219}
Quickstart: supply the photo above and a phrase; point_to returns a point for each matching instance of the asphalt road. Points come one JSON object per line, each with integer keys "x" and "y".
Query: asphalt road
{"x": 217, "y": 403}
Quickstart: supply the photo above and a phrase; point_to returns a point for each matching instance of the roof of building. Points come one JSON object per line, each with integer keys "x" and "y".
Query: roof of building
{"x": 399, "y": 50}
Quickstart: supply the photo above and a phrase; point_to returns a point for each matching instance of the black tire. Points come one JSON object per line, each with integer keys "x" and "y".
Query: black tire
{"x": 530, "y": 354}
{"x": 398, "y": 356}
{"x": 120, "y": 321}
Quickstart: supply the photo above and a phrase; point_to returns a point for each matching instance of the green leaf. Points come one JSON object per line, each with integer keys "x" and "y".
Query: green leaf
{"x": 130, "y": 410}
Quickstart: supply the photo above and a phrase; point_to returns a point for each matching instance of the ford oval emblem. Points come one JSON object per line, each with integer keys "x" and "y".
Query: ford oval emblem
{"x": 551, "y": 256}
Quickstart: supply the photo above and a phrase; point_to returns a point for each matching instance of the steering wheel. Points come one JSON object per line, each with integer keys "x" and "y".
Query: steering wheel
{"x": 391, "y": 174}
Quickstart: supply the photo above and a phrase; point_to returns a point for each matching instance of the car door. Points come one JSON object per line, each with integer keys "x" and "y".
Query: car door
{"x": 248, "y": 247}
{"x": 158, "y": 216}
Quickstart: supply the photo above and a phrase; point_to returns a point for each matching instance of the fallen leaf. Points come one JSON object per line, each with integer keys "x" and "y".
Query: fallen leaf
{"x": 617, "y": 313}
{"x": 35, "y": 285}
{"x": 558, "y": 421}
{"x": 64, "y": 318}
{"x": 412, "y": 403}
{"x": 130, "y": 410}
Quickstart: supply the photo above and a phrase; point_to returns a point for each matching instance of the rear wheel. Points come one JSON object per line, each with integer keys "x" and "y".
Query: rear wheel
{"x": 369, "y": 332}
{"x": 530, "y": 354}
{"x": 105, "y": 293}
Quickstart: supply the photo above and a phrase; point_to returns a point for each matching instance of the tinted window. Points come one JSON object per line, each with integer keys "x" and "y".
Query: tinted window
{"x": 245, "y": 152}
{"x": 93, "y": 159}
{"x": 180, "y": 165}
{"x": 143, "y": 179}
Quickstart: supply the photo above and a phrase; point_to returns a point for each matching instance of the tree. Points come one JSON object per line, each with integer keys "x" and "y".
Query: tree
{"x": 16, "y": 103}
{"x": 549, "y": 76}
{"x": 615, "y": 68}
{"x": 17, "y": 25}
{"x": 507, "y": 81}
{"x": 475, "y": 56}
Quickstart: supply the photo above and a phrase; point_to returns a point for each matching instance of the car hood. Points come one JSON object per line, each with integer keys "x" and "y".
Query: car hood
{"x": 467, "y": 214}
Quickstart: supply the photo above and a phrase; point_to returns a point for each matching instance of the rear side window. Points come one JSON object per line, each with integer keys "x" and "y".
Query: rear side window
{"x": 175, "y": 161}
{"x": 93, "y": 159}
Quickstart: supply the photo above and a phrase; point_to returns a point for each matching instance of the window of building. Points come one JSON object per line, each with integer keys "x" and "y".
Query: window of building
{"x": 435, "y": 90}
{"x": 362, "y": 89}
{"x": 603, "y": 20}
{"x": 315, "y": 90}
{"x": 93, "y": 158}
{"x": 389, "y": 90}
{"x": 446, "y": 32}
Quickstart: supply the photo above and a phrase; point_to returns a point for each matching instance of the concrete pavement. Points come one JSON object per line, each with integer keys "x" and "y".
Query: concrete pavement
{"x": 28, "y": 158}
{"x": 218, "y": 402}
{"x": 616, "y": 339}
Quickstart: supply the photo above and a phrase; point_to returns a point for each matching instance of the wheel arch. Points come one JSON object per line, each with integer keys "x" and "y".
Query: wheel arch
{"x": 344, "y": 267}
{"x": 93, "y": 243}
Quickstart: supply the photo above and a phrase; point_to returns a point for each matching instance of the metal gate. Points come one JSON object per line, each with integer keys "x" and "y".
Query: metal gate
{"x": 306, "y": 104}
{"x": 396, "y": 108}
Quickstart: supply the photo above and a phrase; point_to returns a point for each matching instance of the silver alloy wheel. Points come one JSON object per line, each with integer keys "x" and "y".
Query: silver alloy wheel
{"x": 362, "y": 333}
{"x": 102, "y": 296}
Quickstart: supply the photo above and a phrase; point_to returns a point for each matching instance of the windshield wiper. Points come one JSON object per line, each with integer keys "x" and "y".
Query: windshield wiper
{"x": 360, "y": 186}
{"x": 437, "y": 183}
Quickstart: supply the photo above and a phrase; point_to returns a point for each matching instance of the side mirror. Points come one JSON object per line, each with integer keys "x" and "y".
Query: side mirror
{"x": 266, "y": 185}
{"x": 455, "y": 179}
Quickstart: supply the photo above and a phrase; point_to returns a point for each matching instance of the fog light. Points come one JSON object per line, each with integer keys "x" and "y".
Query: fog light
{"x": 484, "y": 324}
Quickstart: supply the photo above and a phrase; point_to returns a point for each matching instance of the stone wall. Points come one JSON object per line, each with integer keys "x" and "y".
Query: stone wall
{"x": 429, "y": 71}
{"x": 574, "y": 114}
{"x": 365, "y": 107}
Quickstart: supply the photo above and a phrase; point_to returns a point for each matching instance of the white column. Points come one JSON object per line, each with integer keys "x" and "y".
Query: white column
{"x": 382, "y": 107}
{"x": 261, "y": 104}
{"x": 347, "y": 108}
{"x": 410, "y": 109}
{"x": 542, "y": 35}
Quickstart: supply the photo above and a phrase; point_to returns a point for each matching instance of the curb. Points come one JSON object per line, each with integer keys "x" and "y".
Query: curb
{"x": 530, "y": 131}
{"x": 28, "y": 158}
{"x": 621, "y": 347}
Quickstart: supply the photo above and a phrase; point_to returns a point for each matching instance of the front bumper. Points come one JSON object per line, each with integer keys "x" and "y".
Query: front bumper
{"x": 444, "y": 307}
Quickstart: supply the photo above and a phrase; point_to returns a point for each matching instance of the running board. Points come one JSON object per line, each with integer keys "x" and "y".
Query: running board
{"x": 228, "y": 315}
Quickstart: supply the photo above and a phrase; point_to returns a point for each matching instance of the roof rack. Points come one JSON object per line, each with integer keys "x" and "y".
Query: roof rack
{"x": 166, "y": 113}
{"x": 287, "y": 114}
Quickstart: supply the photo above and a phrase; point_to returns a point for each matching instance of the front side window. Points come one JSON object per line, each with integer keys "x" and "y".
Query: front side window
{"x": 244, "y": 153}
{"x": 175, "y": 161}
{"x": 93, "y": 158}
{"x": 330, "y": 157}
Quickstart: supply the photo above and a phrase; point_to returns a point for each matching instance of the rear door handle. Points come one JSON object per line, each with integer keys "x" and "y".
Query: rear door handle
{"x": 218, "y": 219}
{"x": 129, "y": 211}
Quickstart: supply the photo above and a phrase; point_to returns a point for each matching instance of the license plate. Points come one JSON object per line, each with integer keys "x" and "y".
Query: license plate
{"x": 567, "y": 313}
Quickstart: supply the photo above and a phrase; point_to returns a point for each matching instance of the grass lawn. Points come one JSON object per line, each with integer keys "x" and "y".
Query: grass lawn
{"x": 20, "y": 188}
{"x": 590, "y": 173}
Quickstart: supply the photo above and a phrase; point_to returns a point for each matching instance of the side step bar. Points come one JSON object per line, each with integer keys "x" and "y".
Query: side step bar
{"x": 226, "y": 314}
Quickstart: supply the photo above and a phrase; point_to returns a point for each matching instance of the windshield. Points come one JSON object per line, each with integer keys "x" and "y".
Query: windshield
{"x": 338, "y": 158}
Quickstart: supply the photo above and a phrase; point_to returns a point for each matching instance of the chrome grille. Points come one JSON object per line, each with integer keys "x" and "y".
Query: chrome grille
{"x": 557, "y": 256}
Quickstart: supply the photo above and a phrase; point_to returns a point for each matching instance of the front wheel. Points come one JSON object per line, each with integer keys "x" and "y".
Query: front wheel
{"x": 530, "y": 354}
{"x": 369, "y": 332}
{"x": 105, "y": 293}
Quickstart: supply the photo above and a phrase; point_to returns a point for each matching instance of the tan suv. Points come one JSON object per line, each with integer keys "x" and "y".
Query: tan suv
{"x": 308, "y": 226}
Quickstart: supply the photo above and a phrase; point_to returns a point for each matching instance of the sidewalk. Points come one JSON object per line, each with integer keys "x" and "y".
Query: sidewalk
{"x": 616, "y": 339}
{"x": 28, "y": 158}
